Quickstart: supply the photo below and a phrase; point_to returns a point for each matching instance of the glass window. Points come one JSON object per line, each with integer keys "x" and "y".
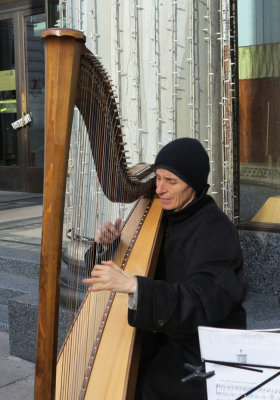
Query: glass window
{"x": 8, "y": 105}
{"x": 259, "y": 94}
{"x": 35, "y": 25}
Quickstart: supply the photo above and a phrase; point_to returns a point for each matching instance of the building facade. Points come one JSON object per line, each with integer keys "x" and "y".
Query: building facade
{"x": 174, "y": 67}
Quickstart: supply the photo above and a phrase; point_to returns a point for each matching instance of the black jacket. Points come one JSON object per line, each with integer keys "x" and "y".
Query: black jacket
{"x": 199, "y": 281}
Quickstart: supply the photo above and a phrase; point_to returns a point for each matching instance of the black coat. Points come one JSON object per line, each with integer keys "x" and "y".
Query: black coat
{"x": 199, "y": 281}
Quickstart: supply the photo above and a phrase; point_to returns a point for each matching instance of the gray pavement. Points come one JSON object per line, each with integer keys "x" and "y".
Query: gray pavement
{"x": 20, "y": 228}
{"x": 16, "y": 375}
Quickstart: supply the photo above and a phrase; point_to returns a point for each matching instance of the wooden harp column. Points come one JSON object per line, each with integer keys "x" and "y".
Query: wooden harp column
{"x": 61, "y": 61}
{"x": 65, "y": 53}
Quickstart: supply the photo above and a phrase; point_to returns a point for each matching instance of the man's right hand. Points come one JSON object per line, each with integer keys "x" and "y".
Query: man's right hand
{"x": 108, "y": 232}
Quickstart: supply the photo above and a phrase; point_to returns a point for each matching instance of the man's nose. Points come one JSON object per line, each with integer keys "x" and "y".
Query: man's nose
{"x": 159, "y": 187}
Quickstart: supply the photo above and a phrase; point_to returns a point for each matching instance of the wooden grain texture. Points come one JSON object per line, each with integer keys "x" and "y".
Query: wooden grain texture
{"x": 111, "y": 373}
{"x": 115, "y": 352}
{"x": 58, "y": 122}
{"x": 77, "y": 349}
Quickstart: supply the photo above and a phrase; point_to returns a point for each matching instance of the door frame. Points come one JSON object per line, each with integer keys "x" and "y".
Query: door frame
{"x": 21, "y": 178}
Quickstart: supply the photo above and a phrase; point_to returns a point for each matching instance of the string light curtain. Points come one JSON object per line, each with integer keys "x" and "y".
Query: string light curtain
{"x": 171, "y": 64}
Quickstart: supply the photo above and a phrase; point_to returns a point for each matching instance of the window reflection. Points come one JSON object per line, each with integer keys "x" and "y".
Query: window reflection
{"x": 8, "y": 106}
{"x": 35, "y": 25}
{"x": 259, "y": 84}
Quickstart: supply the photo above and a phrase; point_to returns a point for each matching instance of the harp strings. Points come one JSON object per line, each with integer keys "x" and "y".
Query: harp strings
{"x": 90, "y": 208}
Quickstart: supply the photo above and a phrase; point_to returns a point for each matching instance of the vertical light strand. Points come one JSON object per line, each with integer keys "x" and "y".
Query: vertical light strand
{"x": 222, "y": 71}
{"x": 158, "y": 75}
{"x": 233, "y": 42}
{"x": 230, "y": 140}
{"x": 175, "y": 71}
{"x": 190, "y": 59}
{"x": 207, "y": 32}
{"x": 117, "y": 50}
{"x": 153, "y": 62}
{"x": 92, "y": 34}
{"x": 67, "y": 14}
{"x": 139, "y": 59}
{"x": 227, "y": 183}
{"x": 117, "y": 57}
{"x": 225, "y": 121}
{"x": 132, "y": 81}
{"x": 78, "y": 16}
{"x": 62, "y": 7}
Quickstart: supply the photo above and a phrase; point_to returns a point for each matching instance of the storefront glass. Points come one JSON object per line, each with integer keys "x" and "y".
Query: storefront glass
{"x": 35, "y": 25}
{"x": 8, "y": 104}
{"x": 259, "y": 95}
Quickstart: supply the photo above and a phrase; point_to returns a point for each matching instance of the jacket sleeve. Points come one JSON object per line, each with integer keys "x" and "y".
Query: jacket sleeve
{"x": 211, "y": 288}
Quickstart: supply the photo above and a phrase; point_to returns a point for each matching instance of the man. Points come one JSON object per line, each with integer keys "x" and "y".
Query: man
{"x": 199, "y": 276}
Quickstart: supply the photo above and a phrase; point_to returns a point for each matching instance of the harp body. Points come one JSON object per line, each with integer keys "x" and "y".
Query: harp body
{"x": 72, "y": 73}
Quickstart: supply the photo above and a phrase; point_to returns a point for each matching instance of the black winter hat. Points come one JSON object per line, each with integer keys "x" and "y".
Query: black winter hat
{"x": 187, "y": 159}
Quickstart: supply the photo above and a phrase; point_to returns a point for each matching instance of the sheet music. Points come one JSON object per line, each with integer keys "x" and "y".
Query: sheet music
{"x": 258, "y": 350}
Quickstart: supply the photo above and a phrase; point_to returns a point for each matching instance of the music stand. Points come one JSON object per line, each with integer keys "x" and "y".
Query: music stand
{"x": 246, "y": 363}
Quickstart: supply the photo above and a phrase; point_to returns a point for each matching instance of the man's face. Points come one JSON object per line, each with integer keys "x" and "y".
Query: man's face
{"x": 174, "y": 193}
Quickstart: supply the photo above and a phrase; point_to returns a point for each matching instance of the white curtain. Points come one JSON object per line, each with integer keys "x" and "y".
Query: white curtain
{"x": 166, "y": 60}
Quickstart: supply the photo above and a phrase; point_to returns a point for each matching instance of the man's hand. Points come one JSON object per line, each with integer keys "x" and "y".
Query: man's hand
{"x": 109, "y": 276}
{"x": 108, "y": 232}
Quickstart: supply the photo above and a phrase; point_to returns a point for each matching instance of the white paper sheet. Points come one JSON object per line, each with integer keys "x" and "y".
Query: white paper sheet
{"x": 253, "y": 349}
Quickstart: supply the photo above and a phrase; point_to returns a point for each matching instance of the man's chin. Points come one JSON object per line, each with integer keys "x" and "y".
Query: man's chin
{"x": 166, "y": 205}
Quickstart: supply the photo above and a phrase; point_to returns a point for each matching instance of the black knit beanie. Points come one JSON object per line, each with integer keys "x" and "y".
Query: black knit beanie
{"x": 187, "y": 159}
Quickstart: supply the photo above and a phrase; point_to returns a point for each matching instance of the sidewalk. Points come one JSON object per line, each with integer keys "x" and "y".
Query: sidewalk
{"x": 20, "y": 228}
{"x": 16, "y": 375}
{"x": 20, "y": 232}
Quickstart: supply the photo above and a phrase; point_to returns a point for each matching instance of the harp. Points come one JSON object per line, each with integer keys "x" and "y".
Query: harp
{"x": 108, "y": 365}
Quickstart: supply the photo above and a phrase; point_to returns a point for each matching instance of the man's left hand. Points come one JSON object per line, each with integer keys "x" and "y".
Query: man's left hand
{"x": 109, "y": 276}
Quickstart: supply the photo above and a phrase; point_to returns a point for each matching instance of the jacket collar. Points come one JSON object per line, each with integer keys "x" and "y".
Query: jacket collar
{"x": 190, "y": 209}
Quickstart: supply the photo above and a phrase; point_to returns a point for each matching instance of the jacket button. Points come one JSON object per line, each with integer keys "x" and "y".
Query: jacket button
{"x": 160, "y": 322}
